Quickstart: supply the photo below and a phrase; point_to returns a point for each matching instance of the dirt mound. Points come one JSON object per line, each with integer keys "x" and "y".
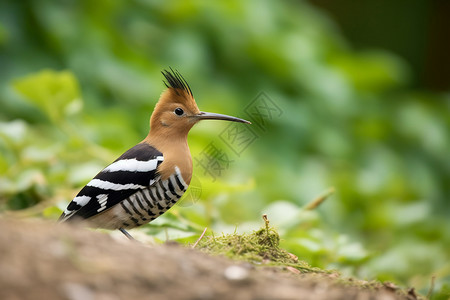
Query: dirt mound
{"x": 45, "y": 261}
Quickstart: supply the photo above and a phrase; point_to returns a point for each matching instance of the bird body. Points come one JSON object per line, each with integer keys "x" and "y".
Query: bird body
{"x": 150, "y": 177}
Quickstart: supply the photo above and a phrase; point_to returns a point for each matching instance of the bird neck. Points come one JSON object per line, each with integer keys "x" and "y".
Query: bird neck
{"x": 175, "y": 150}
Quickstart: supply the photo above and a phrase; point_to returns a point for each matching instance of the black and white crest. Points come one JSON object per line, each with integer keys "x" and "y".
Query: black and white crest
{"x": 176, "y": 80}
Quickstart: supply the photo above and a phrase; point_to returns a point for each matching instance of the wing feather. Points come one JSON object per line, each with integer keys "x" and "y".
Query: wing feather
{"x": 134, "y": 170}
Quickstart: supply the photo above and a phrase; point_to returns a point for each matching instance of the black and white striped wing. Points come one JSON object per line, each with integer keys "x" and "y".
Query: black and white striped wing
{"x": 134, "y": 170}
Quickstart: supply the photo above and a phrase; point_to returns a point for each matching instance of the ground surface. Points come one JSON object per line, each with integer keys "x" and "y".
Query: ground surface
{"x": 44, "y": 261}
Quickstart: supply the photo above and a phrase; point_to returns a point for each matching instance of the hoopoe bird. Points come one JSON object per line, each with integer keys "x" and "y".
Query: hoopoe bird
{"x": 148, "y": 179}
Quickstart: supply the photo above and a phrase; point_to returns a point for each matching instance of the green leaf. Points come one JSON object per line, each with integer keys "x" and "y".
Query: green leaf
{"x": 57, "y": 94}
{"x": 52, "y": 212}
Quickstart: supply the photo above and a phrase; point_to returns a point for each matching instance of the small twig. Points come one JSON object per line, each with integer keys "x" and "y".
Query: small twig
{"x": 317, "y": 201}
{"x": 166, "y": 233}
{"x": 198, "y": 240}
{"x": 430, "y": 291}
{"x": 266, "y": 221}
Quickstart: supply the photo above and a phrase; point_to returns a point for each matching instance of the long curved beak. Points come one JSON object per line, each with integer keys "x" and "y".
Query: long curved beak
{"x": 212, "y": 116}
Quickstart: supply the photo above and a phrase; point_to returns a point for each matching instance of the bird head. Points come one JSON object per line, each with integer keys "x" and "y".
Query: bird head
{"x": 176, "y": 111}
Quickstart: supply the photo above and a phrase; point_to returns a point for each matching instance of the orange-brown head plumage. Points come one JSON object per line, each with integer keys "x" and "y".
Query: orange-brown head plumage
{"x": 174, "y": 115}
{"x": 176, "y": 111}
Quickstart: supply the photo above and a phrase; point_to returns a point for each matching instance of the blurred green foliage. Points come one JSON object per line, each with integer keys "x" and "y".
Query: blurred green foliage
{"x": 79, "y": 80}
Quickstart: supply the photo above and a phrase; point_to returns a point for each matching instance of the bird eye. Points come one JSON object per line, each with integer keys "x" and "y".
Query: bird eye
{"x": 178, "y": 111}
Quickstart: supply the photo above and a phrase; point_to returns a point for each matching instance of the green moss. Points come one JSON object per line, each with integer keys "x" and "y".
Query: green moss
{"x": 259, "y": 247}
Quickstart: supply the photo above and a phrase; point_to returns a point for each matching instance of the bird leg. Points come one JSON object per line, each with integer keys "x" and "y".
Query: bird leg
{"x": 126, "y": 234}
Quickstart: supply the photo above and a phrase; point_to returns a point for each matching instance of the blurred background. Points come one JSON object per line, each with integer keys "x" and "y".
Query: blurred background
{"x": 348, "y": 95}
